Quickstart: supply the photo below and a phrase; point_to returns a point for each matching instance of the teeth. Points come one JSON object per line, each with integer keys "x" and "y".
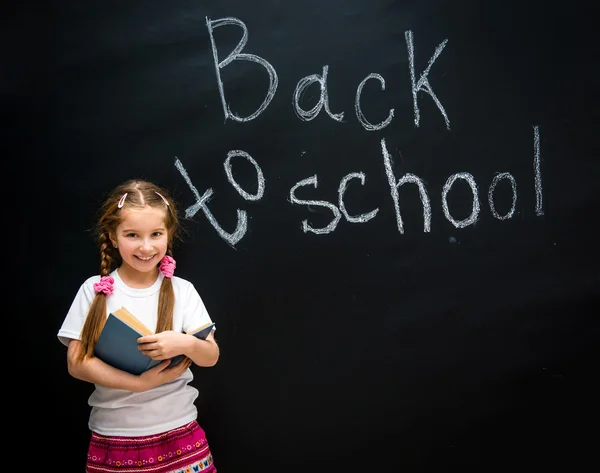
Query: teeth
{"x": 145, "y": 259}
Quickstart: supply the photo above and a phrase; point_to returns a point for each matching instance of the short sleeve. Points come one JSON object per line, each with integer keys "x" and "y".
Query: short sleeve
{"x": 73, "y": 323}
{"x": 195, "y": 313}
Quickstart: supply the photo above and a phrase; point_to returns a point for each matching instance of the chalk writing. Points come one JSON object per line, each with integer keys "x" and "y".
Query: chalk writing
{"x": 423, "y": 84}
{"x": 387, "y": 161}
{"x": 513, "y": 183}
{"x": 261, "y": 179}
{"x": 242, "y": 219}
{"x": 237, "y": 55}
{"x": 323, "y": 98}
{"x": 539, "y": 208}
{"x": 342, "y": 190}
{"x": 319, "y": 203}
{"x": 420, "y": 85}
{"x": 361, "y": 117}
{"x": 340, "y": 210}
{"x": 474, "y": 210}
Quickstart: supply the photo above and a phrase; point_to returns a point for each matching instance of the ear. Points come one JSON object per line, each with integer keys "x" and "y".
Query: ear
{"x": 113, "y": 241}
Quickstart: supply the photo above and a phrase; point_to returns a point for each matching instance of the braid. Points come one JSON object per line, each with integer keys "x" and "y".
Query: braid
{"x": 96, "y": 318}
{"x": 106, "y": 254}
{"x": 166, "y": 301}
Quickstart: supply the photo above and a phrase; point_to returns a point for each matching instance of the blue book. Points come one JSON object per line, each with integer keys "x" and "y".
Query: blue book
{"x": 118, "y": 346}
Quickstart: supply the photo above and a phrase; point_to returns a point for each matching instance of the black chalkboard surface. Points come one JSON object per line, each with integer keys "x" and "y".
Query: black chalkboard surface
{"x": 390, "y": 209}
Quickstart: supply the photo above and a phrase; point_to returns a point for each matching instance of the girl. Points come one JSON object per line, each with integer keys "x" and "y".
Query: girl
{"x": 144, "y": 423}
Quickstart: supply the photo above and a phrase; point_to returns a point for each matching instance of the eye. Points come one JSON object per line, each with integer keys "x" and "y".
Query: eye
{"x": 157, "y": 234}
{"x": 131, "y": 235}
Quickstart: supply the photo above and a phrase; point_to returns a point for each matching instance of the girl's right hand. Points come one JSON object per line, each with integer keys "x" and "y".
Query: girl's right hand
{"x": 161, "y": 373}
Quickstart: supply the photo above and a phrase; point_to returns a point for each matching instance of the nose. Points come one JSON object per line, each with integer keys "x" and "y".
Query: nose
{"x": 146, "y": 245}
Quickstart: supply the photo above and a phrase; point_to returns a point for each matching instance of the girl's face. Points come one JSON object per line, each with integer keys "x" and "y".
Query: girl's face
{"x": 142, "y": 240}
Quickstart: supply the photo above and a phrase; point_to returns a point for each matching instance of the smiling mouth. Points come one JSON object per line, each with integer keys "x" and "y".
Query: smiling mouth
{"x": 148, "y": 258}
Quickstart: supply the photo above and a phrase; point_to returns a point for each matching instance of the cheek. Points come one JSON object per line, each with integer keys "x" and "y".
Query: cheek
{"x": 126, "y": 246}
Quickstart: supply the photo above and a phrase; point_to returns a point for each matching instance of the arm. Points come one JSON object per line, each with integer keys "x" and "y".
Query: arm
{"x": 168, "y": 344}
{"x": 94, "y": 370}
{"x": 202, "y": 352}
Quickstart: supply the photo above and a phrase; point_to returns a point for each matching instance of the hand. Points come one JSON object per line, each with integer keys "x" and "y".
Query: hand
{"x": 162, "y": 373}
{"x": 163, "y": 345}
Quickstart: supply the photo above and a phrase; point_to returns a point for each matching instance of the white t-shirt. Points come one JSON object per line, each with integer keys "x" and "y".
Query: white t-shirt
{"x": 125, "y": 413}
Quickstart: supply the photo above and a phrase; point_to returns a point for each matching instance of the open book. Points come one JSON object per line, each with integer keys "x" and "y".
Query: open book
{"x": 118, "y": 346}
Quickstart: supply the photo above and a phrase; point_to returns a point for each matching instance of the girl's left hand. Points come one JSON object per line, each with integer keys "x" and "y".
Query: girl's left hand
{"x": 163, "y": 345}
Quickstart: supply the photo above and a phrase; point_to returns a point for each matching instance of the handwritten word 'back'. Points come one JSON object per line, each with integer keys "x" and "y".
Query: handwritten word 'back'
{"x": 420, "y": 85}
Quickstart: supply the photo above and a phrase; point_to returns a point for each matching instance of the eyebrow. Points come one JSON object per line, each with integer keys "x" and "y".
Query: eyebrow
{"x": 133, "y": 230}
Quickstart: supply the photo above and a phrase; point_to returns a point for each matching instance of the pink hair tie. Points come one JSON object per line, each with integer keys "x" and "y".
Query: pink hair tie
{"x": 167, "y": 266}
{"x": 105, "y": 285}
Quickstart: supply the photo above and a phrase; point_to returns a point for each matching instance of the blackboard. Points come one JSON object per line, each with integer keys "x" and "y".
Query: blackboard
{"x": 409, "y": 291}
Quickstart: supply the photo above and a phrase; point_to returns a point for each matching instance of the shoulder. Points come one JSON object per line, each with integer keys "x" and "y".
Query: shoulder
{"x": 184, "y": 288}
{"x": 91, "y": 280}
{"x": 85, "y": 294}
{"x": 180, "y": 282}
{"x": 88, "y": 284}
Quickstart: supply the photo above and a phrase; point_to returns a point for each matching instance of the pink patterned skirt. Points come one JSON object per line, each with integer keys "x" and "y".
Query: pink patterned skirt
{"x": 181, "y": 450}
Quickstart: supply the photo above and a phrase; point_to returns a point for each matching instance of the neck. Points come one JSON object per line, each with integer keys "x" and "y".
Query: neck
{"x": 136, "y": 279}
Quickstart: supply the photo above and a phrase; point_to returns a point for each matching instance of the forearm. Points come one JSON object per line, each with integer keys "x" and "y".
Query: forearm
{"x": 94, "y": 370}
{"x": 202, "y": 352}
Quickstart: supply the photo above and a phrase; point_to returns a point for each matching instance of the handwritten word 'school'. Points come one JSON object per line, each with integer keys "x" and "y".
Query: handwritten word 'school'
{"x": 338, "y": 211}
{"x": 420, "y": 85}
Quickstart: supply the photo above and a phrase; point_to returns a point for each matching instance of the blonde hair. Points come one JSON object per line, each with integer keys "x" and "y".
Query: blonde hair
{"x": 133, "y": 194}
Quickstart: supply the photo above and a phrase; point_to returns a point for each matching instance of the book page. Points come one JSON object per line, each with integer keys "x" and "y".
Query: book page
{"x": 192, "y": 332}
{"x": 127, "y": 317}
